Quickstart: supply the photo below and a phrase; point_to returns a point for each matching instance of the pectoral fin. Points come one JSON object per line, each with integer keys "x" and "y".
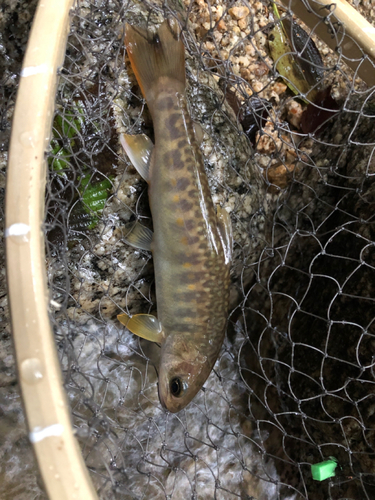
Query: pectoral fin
{"x": 139, "y": 236}
{"x": 143, "y": 325}
{"x": 225, "y": 231}
{"x": 138, "y": 148}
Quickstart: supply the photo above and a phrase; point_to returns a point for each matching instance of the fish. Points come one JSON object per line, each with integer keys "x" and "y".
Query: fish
{"x": 192, "y": 241}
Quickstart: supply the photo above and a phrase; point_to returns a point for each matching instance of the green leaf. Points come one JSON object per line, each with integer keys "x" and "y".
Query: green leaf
{"x": 94, "y": 196}
{"x": 65, "y": 126}
{"x": 286, "y": 63}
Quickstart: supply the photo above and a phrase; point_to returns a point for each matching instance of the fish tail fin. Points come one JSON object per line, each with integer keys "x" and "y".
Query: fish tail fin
{"x": 156, "y": 56}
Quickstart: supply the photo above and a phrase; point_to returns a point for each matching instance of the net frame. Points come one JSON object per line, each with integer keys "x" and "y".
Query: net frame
{"x": 48, "y": 415}
{"x": 7, "y": 226}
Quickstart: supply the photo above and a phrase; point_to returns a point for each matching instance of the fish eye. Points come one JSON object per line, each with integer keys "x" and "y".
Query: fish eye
{"x": 177, "y": 387}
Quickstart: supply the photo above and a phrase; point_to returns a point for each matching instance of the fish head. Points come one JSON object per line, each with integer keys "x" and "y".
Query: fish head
{"x": 182, "y": 373}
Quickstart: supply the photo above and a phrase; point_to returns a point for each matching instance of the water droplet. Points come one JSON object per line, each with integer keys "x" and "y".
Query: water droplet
{"x": 57, "y": 476}
{"x": 32, "y": 371}
{"x": 27, "y": 139}
{"x": 18, "y": 233}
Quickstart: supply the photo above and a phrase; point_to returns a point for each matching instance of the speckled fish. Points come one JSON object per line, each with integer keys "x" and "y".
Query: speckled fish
{"x": 191, "y": 243}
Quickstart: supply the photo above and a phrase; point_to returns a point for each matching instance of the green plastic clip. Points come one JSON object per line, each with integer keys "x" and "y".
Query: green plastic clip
{"x": 324, "y": 470}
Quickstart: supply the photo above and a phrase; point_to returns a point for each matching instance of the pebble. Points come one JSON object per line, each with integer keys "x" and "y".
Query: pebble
{"x": 238, "y": 12}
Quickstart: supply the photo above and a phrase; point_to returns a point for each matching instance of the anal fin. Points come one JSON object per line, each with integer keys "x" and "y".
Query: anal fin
{"x": 225, "y": 231}
{"x": 198, "y": 132}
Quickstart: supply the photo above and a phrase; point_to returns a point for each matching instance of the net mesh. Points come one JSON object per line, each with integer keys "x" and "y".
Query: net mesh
{"x": 294, "y": 383}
